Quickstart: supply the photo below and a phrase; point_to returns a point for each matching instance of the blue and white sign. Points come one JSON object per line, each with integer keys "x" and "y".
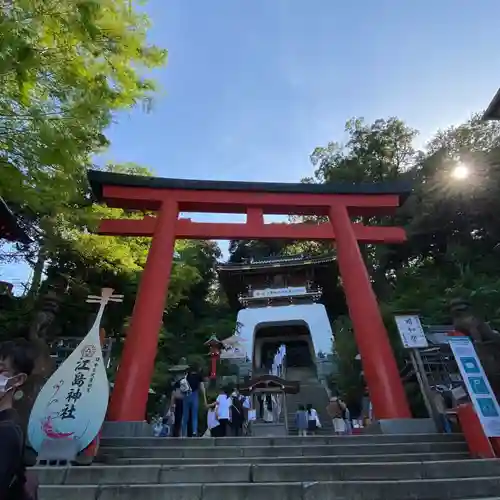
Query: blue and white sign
{"x": 477, "y": 385}
{"x": 73, "y": 402}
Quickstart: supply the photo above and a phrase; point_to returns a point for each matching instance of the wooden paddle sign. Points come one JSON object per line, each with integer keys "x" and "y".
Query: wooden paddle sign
{"x": 73, "y": 402}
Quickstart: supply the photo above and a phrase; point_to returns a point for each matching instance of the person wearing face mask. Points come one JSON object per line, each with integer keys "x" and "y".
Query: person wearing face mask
{"x": 16, "y": 365}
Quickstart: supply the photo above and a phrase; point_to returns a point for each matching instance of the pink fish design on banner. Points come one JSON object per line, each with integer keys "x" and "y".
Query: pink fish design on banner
{"x": 73, "y": 402}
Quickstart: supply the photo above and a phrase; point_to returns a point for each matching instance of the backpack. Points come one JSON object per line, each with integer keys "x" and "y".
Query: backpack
{"x": 184, "y": 386}
{"x": 237, "y": 406}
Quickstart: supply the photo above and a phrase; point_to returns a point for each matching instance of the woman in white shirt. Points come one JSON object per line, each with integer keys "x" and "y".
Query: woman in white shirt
{"x": 313, "y": 420}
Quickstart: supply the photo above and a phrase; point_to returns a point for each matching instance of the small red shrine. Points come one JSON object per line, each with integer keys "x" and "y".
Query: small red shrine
{"x": 335, "y": 202}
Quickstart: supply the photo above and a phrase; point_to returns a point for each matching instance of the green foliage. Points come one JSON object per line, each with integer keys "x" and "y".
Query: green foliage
{"x": 452, "y": 235}
{"x": 349, "y": 381}
{"x": 65, "y": 68}
{"x": 380, "y": 151}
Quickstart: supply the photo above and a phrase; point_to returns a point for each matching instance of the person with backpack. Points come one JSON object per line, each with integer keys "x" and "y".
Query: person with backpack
{"x": 177, "y": 406}
{"x": 237, "y": 412}
{"x": 191, "y": 386}
{"x": 16, "y": 365}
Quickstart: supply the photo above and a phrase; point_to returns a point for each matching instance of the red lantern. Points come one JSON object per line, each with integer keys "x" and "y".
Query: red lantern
{"x": 215, "y": 346}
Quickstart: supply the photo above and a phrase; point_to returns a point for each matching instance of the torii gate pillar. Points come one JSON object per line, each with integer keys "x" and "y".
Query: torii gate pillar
{"x": 133, "y": 380}
{"x": 379, "y": 366}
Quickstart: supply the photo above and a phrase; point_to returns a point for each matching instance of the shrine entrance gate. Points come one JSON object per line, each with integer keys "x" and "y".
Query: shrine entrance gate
{"x": 169, "y": 197}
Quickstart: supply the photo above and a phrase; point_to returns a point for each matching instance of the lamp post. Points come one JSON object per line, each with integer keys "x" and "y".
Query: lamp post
{"x": 215, "y": 346}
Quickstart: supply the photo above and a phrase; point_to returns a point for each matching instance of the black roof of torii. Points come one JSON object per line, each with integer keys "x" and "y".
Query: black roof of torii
{"x": 99, "y": 178}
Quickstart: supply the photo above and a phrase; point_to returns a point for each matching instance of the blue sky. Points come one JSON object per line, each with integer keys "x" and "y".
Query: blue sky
{"x": 252, "y": 86}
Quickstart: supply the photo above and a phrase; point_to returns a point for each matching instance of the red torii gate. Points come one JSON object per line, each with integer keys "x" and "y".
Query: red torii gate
{"x": 169, "y": 197}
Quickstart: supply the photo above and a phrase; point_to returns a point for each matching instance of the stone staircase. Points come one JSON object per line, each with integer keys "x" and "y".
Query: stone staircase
{"x": 311, "y": 391}
{"x": 368, "y": 467}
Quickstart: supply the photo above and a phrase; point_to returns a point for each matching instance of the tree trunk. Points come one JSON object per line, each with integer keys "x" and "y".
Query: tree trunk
{"x": 36, "y": 280}
{"x": 44, "y": 364}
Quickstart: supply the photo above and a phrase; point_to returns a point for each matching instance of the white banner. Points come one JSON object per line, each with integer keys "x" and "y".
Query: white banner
{"x": 279, "y": 292}
{"x": 233, "y": 353}
{"x": 477, "y": 384}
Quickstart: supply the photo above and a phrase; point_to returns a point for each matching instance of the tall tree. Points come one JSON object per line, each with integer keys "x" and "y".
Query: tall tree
{"x": 453, "y": 235}
{"x": 66, "y": 67}
{"x": 375, "y": 152}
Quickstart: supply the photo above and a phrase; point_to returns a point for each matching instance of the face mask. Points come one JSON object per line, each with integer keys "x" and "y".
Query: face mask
{"x": 4, "y": 380}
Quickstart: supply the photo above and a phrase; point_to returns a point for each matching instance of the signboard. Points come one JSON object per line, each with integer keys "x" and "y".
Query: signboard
{"x": 411, "y": 331}
{"x": 279, "y": 292}
{"x": 233, "y": 352}
{"x": 73, "y": 402}
{"x": 477, "y": 385}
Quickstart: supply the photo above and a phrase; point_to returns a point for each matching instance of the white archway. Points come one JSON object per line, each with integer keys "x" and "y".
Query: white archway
{"x": 281, "y": 332}
{"x": 313, "y": 315}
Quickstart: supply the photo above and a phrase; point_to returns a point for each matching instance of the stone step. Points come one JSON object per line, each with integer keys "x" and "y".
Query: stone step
{"x": 282, "y": 451}
{"x": 427, "y": 489}
{"x": 322, "y": 431}
{"x": 282, "y": 441}
{"x": 412, "y": 457}
{"x": 326, "y": 420}
{"x": 244, "y": 473}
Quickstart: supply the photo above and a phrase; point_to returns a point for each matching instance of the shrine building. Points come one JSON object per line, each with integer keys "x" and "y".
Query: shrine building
{"x": 281, "y": 300}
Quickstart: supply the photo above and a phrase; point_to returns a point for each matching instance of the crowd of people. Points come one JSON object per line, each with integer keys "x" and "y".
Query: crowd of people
{"x": 307, "y": 419}
{"x": 229, "y": 414}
